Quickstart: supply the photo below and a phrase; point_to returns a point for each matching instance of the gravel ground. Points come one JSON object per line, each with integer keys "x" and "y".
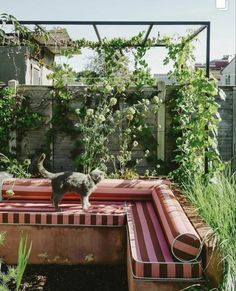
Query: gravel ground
{"x": 75, "y": 278}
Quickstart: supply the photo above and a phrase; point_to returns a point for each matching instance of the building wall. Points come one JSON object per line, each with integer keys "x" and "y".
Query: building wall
{"x": 226, "y": 140}
{"x": 228, "y": 75}
{"x": 36, "y": 74}
{"x": 17, "y": 64}
{"x": 12, "y": 64}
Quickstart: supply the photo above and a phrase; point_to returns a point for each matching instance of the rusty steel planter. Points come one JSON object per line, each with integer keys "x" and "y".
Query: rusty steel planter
{"x": 66, "y": 245}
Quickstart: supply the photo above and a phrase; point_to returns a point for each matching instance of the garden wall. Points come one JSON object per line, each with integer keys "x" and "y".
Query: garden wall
{"x": 62, "y": 147}
{"x": 227, "y": 128}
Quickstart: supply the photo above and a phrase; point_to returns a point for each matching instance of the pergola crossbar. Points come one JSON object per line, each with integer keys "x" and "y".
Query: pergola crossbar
{"x": 204, "y": 25}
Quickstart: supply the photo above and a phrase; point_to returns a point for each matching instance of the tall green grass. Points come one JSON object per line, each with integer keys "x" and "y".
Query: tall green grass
{"x": 23, "y": 256}
{"x": 13, "y": 275}
{"x": 216, "y": 201}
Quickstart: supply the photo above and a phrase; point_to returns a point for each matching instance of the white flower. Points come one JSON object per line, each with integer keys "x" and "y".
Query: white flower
{"x": 77, "y": 111}
{"x": 131, "y": 110}
{"x": 146, "y": 101}
{"x": 113, "y": 101}
{"x": 147, "y": 152}
{"x": 101, "y": 118}
{"x": 130, "y": 113}
{"x": 156, "y": 99}
{"x": 89, "y": 112}
{"x": 145, "y": 108}
{"x": 108, "y": 88}
{"x": 129, "y": 116}
{"x": 214, "y": 180}
{"x": 135, "y": 144}
{"x": 140, "y": 128}
{"x": 27, "y": 162}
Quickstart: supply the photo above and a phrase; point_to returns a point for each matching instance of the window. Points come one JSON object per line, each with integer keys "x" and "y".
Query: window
{"x": 227, "y": 79}
{"x": 36, "y": 76}
{"x": 222, "y": 4}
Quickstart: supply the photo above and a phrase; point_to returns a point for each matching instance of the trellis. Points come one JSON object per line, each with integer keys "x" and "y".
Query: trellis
{"x": 201, "y": 26}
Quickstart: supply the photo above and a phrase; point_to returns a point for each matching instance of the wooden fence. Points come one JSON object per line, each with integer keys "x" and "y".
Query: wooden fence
{"x": 33, "y": 142}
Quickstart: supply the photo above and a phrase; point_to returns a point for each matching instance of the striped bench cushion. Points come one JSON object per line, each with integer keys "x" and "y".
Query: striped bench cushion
{"x": 41, "y": 213}
{"x": 181, "y": 236}
{"x": 150, "y": 253}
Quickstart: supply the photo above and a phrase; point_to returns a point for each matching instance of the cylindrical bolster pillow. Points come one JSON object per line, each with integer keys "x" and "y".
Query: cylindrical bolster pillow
{"x": 181, "y": 236}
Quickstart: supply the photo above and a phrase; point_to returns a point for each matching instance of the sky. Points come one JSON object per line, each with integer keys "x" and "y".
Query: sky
{"x": 223, "y": 22}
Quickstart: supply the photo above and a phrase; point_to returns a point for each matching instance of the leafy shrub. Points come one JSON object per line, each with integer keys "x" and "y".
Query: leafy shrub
{"x": 12, "y": 166}
{"x": 15, "y": 115}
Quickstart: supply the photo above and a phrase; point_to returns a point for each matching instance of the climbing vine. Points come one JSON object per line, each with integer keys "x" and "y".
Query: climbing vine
{"x": 195, "y": 112}
{"x": 20, "y": 35}
{"x": 15, "y": 114}
{"x": 106, "y": 105}
{"x": 108, "y": 109}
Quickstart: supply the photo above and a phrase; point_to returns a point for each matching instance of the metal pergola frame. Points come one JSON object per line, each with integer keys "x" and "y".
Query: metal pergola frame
{"x": 204, "y": 25}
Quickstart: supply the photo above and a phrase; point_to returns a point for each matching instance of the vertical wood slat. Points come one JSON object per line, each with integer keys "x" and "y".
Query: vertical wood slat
{"x": 12, "y": 144}
{"x": 161, "y": 115}
{"x": 234, "y": 130}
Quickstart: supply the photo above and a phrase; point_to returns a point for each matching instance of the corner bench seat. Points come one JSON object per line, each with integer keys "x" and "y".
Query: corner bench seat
{"x": 150, "y": 254}
{"x": 162, "y": 243}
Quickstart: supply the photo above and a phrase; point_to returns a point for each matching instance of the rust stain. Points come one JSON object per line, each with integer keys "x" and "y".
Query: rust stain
{"x": 89, "y": 258}
{"x": 55, "y": 259}
{"x": 43, "y": 255}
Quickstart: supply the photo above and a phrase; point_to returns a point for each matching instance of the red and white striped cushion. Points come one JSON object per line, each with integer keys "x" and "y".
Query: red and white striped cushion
{"x": 150, "y": 253}
{"x": 42, "y": 213}
{"x": 181, "y": 236}
{"x": 106, "y": 190}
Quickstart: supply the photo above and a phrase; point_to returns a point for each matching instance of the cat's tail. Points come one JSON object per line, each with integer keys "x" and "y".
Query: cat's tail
{"x": 41, "y": 168}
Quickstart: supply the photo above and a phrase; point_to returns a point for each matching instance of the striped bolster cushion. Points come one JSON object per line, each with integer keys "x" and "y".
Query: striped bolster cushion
{"x": 150, "y": 253}
{"x": 183, "y": 239}
{"x": 117, "y": 190}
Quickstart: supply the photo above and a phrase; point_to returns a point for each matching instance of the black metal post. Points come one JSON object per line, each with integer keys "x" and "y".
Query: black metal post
{"x": 208, "y": 35}
{"x": 97, "y": 33}
{"x": 147, "y": 34}
{"x": 74, "y": 22}
{"x": 196, "y": 33}
{"x": 203, "y": 24}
